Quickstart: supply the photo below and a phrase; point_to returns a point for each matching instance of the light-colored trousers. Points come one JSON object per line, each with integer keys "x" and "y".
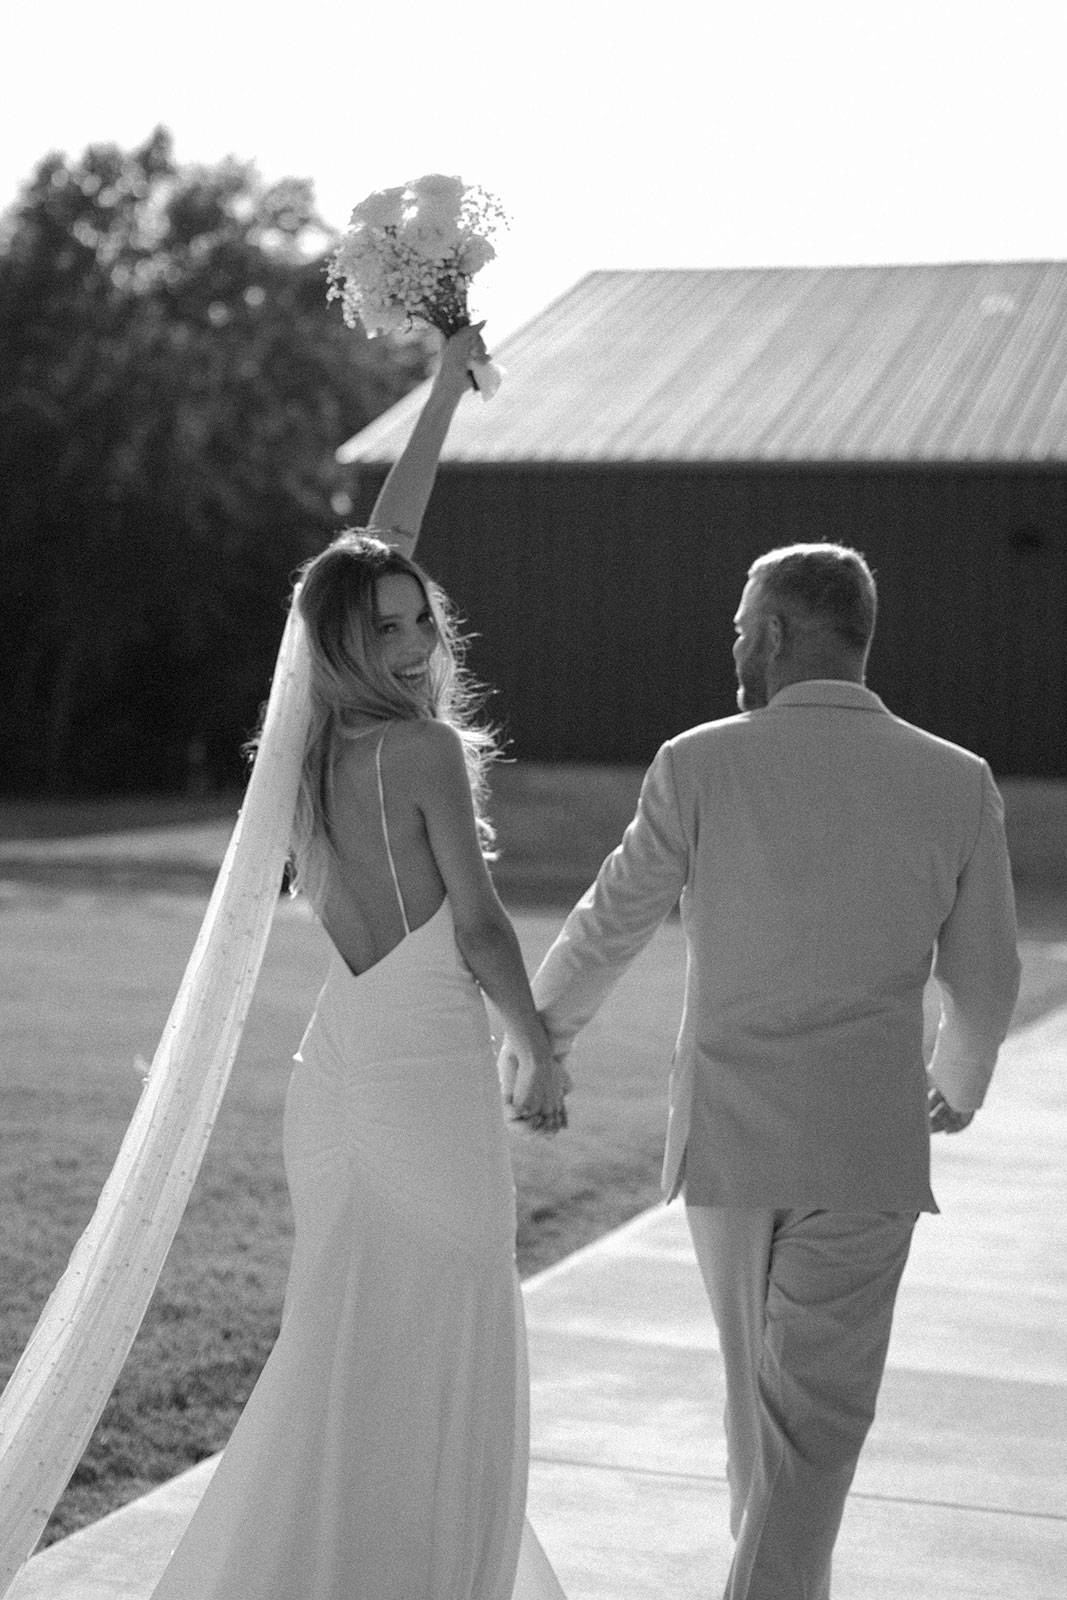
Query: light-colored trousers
{"x": 803, "y": 1301}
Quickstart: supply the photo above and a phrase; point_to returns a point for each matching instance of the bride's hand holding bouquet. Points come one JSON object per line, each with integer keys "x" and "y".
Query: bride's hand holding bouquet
{"x": 408, "y": 256}
{"x": 463, "y": 355}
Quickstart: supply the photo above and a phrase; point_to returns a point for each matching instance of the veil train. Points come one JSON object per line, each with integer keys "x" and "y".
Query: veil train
{"x": 61, "y": 1384}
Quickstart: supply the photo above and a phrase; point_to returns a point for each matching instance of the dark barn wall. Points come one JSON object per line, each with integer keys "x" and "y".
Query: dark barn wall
{"x": 604, "y": 596}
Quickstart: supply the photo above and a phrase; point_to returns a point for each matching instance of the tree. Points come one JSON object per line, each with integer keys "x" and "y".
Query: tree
{"x": 173, "y": 387}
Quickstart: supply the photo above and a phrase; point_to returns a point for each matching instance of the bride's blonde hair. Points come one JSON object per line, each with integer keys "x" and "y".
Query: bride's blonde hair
{"x": 337, "y": 596}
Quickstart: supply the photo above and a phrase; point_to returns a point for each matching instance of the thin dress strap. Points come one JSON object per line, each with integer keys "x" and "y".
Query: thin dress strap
{"x": 385, "y": 831}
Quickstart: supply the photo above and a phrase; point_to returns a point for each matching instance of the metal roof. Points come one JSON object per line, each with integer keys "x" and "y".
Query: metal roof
{"x": 965, "y": 362}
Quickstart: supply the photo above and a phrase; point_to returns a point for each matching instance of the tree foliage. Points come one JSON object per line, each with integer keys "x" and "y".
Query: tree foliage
{"x": 173, "y": 387}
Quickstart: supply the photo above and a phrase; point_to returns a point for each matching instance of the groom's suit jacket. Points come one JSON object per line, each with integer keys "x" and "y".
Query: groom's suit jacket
{"x": 825, "y": 853}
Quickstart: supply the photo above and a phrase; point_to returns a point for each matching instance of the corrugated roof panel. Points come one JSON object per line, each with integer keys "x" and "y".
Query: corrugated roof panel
{"x": 875, "y": 368}
{"x": 936, "y": 372}
{"x": 964, "y": 362}
{"x": 1028, "y": 370}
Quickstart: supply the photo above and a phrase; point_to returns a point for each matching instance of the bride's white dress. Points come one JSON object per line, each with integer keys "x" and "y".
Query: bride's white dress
{"x": 382, "y": 1455}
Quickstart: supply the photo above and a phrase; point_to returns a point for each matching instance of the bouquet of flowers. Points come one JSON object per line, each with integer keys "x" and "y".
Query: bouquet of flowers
{"x": 408, "y": 256}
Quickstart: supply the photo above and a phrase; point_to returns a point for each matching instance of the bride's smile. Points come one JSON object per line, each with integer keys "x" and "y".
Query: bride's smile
{"x": 407, "y": 632}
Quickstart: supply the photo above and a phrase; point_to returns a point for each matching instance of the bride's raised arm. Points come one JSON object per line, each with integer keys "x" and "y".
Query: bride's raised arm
{"x": 401, "y": 504}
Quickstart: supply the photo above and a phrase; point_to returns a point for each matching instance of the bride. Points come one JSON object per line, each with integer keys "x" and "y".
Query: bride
{"x": 383, "y": 1452}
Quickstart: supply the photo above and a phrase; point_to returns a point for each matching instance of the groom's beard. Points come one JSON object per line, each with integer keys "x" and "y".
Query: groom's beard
{"x": 752, "y": 681}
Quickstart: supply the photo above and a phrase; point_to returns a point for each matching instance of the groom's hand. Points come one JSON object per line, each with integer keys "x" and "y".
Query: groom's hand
{"x": 507, "y": 1067}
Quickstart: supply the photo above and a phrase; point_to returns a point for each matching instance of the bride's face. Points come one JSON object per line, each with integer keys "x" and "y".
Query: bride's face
{"x": 407, "y": 632}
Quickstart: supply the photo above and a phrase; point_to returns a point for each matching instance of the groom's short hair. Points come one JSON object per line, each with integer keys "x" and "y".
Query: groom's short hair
{"x": 829, "y": 584}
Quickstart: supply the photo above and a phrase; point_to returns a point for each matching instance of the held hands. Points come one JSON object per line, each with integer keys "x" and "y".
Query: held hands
{"x": 533, "y": 1086}
{"x": 943, "y": 1119}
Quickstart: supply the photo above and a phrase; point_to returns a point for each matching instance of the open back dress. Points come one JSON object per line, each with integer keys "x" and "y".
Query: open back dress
{"x": 382, "y": 1454}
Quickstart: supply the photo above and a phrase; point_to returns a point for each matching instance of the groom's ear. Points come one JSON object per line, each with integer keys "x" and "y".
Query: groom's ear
{"x": 775, "y": 632}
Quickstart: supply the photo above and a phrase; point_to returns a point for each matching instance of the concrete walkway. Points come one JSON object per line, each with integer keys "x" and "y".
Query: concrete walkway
{"x": 962, "y": 1491}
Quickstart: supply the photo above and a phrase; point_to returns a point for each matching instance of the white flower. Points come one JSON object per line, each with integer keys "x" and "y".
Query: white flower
{"x": 354, "y": 254}
{"x": 474, "y": 254}
{"x": 382, "y": 209}
{"x": 433, "y": 238}
{"x": 437, "y": 190}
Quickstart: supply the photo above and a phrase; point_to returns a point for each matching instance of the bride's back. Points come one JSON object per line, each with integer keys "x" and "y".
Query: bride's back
{"x": 372, "y": 812}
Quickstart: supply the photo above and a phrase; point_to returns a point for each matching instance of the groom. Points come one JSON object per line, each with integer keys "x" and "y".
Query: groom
{"x": 825, "y": 853}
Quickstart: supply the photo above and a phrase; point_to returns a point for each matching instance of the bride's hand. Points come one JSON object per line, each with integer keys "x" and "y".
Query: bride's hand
{"x": 457, "y": 354}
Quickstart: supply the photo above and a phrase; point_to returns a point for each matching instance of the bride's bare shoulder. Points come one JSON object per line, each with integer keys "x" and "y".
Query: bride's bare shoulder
{"x": 423, "y": 750}
{"x": 422, "y": 739}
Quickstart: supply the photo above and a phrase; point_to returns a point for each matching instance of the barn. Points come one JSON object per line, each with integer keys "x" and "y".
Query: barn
{"x": 659, "y": 429}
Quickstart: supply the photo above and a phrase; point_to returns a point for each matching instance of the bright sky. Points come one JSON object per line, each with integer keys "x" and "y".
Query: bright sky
{"x": 670, "y": 133}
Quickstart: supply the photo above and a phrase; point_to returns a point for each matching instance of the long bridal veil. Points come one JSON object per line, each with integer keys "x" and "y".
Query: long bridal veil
{"x": 61, "y": 1384}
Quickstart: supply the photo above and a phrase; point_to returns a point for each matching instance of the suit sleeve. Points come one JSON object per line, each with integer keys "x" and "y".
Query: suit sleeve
{"x": 637, "y": 887}
{"x": 977, "y": 963}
